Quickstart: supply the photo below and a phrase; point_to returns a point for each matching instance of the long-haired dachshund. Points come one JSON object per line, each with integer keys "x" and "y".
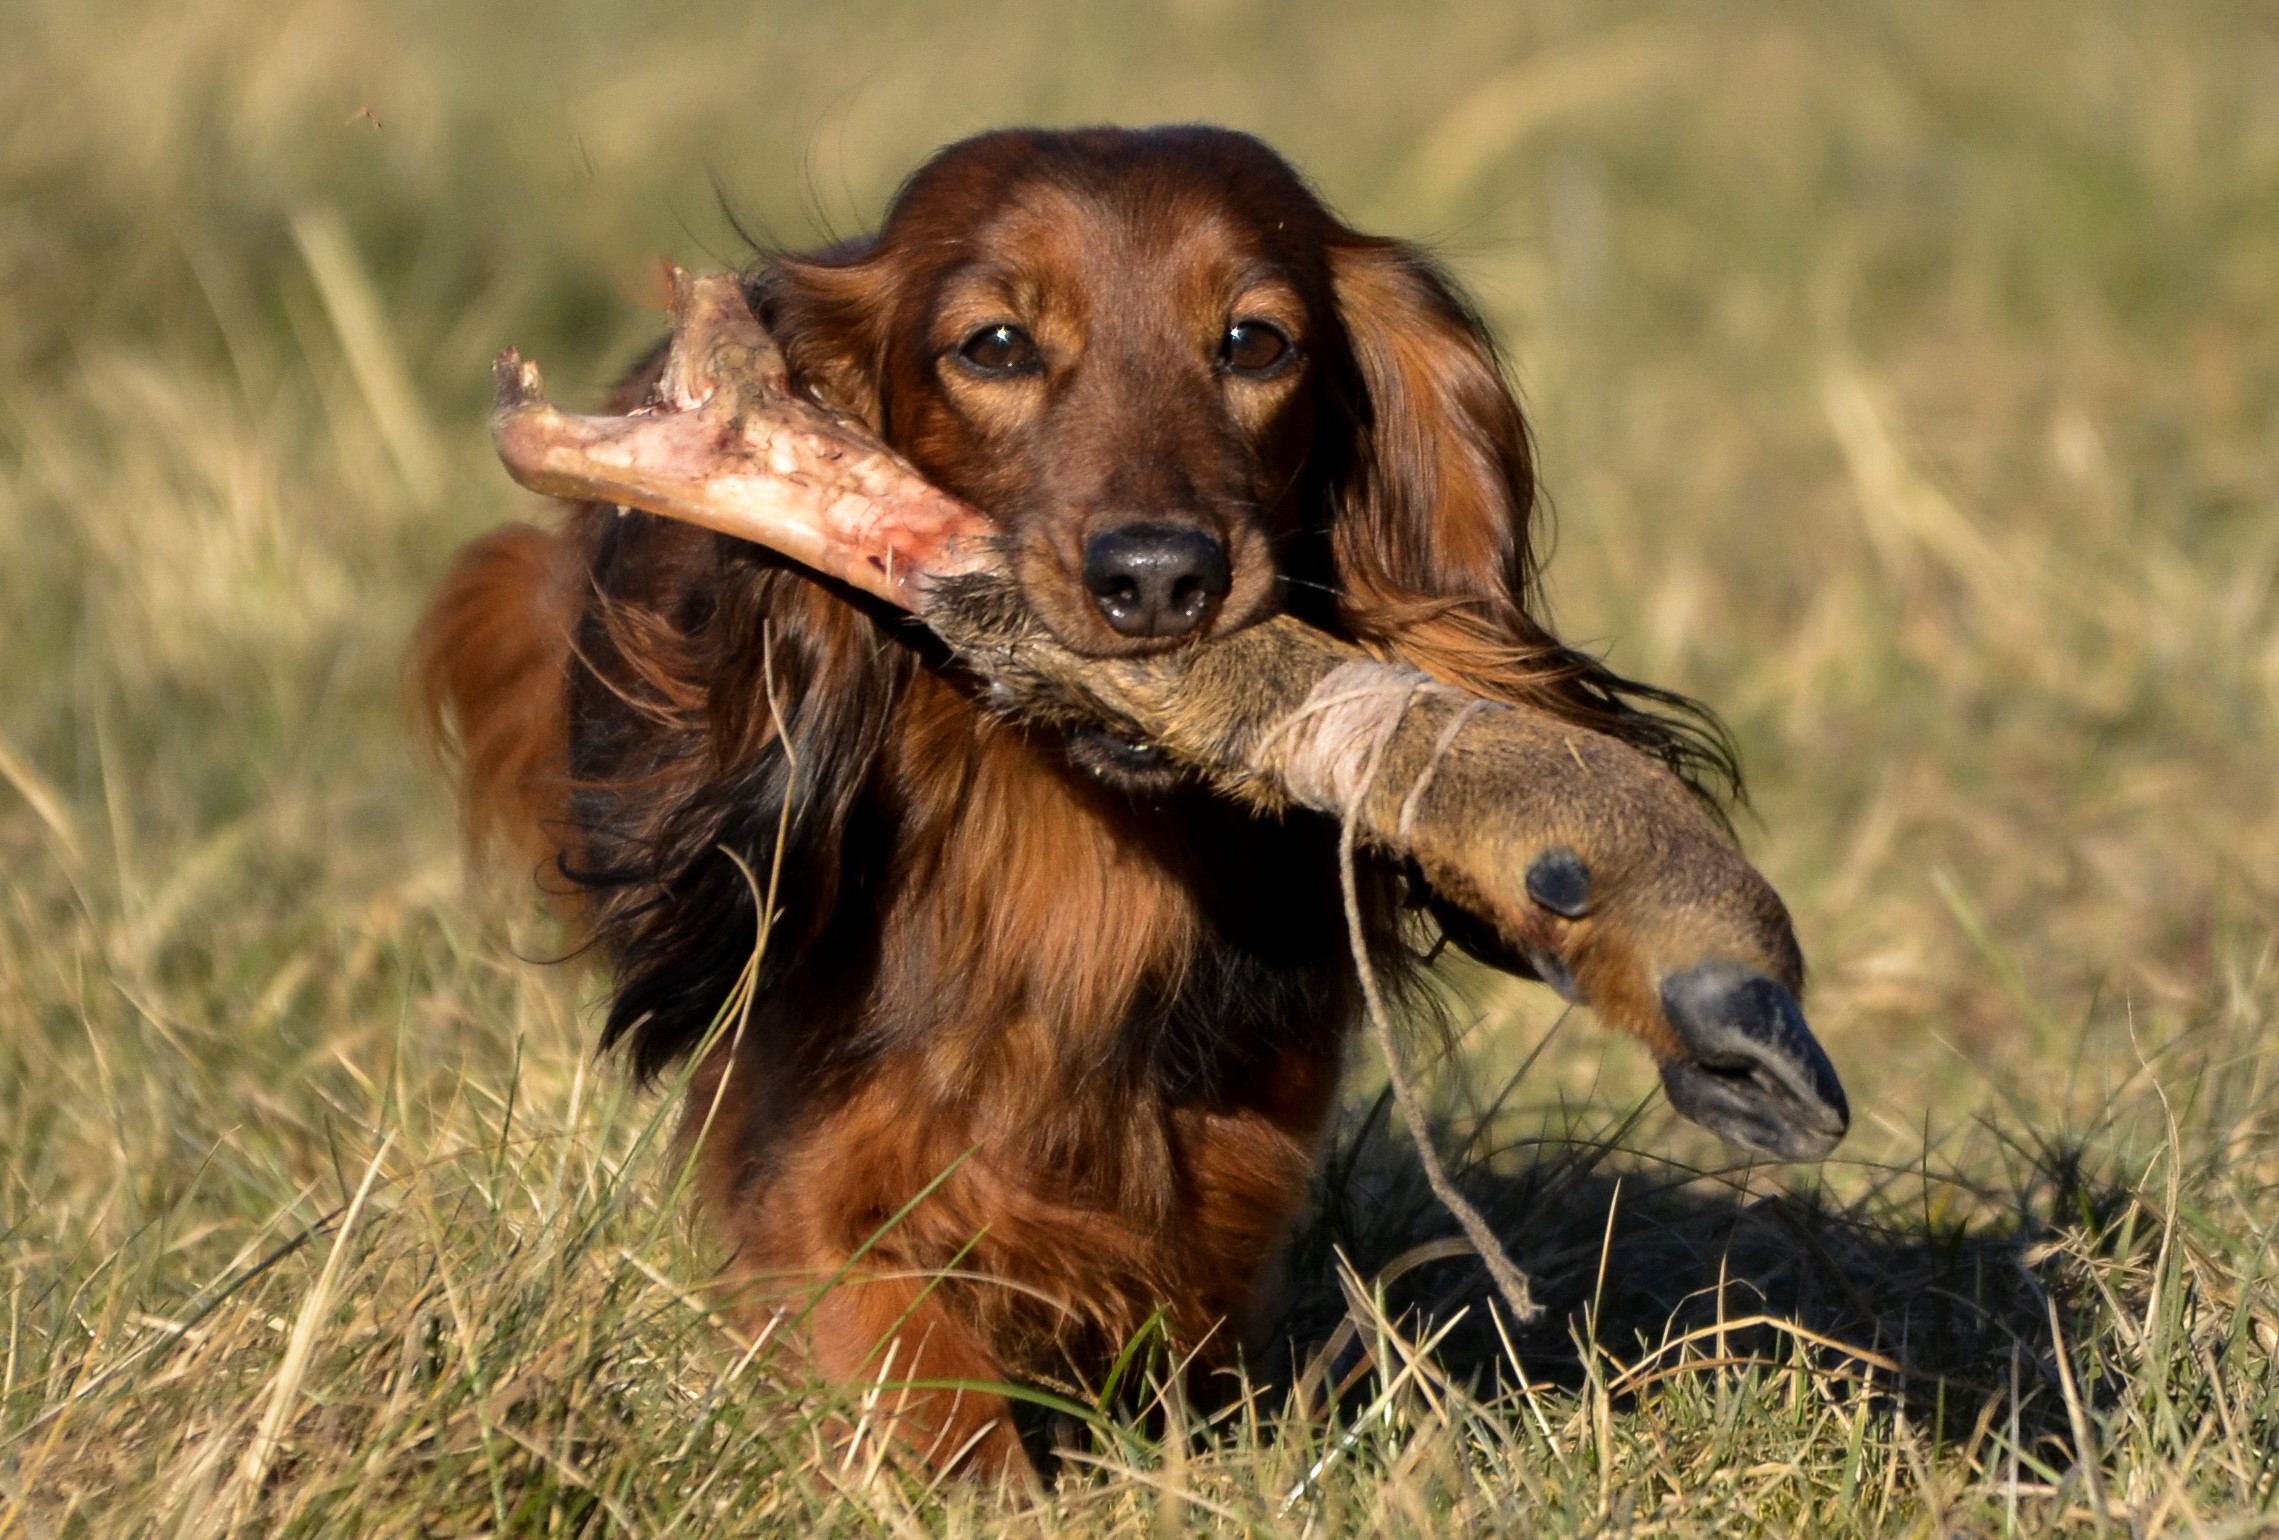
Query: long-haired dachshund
{"x": 1043, "y": 1040}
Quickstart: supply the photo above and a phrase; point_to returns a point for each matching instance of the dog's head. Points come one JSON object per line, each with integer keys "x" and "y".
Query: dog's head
{"x": 1183, "y": 390}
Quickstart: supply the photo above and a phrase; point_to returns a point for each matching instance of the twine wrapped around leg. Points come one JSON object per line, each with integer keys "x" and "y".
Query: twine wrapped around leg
{"x": 1511, "y": 1283}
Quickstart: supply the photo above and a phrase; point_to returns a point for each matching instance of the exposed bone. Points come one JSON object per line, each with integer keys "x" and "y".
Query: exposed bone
{"x": 1656, "y": 919}
{"x": 731, "y": 448}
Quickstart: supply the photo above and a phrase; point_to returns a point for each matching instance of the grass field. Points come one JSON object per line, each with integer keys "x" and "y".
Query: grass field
{"x": 1907, "y": 376}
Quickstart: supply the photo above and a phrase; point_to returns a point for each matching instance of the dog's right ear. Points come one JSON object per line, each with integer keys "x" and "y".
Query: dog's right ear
{"x": 828, "y": 311}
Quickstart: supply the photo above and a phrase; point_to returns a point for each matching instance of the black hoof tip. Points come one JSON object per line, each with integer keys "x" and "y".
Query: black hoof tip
{"x": 1558, "y": 880}
{"x": 1753, "y": 1071}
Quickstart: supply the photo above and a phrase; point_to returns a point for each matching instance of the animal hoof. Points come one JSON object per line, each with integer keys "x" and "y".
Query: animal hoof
{"x": 1752, "y": 1072}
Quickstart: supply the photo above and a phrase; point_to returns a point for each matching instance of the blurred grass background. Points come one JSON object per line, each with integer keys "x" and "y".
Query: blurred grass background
{"x": 1907, "y": 377}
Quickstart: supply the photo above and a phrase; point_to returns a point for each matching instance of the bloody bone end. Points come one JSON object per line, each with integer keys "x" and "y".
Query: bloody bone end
{"x": 515, "y": 382}
{"x": 717, "y": 341}
{"x": 729, "y": 446}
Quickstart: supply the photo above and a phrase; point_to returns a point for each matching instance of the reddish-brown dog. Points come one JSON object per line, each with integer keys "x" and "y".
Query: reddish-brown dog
{"x": 1109, "y": 1007}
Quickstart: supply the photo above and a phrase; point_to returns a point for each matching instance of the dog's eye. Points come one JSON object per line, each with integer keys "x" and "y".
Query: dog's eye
{"x": 1000, "y": 349}
{"x": 1253, "y": 347}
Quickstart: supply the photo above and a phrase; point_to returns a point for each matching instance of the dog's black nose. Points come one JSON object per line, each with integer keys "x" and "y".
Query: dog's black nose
{"x": 1156, "y": 579}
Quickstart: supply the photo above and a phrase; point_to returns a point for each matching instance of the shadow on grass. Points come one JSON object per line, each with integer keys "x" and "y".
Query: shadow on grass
{"x": 1949, "y": 1320}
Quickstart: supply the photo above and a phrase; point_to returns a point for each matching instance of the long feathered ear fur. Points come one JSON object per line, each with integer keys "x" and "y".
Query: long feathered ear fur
{"x": 487, "y": 674}
{"x": 1431, "y": 534}
{"x": 724, "y": 714}
{"x": 826, "y": 310}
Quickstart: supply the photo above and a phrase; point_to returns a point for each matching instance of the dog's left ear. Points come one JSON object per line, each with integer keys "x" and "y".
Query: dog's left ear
{"x": 1431, "y": 531}
{"x": 827, "y": 311}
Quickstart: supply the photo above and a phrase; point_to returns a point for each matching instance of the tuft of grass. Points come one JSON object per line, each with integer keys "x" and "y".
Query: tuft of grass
{"x": 1907, "y": 379}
